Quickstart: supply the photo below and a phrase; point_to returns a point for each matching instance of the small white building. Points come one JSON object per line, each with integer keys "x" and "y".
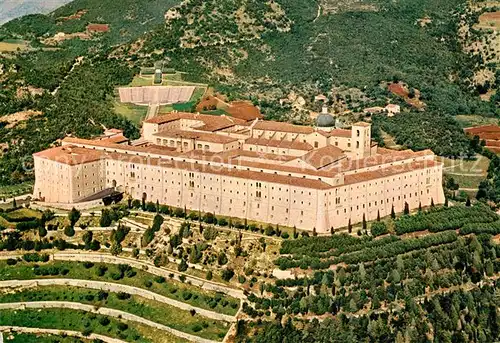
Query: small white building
{"x": 392, "y": 109}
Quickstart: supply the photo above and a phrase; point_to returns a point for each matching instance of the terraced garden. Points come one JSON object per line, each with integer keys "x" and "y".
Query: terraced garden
{"x": 124, "y": 275}
{"x": 152, "y": 310}
{"x": 36, "y": 338}
{"x": 438, "y": 263}
{"x": 87, "y": 323}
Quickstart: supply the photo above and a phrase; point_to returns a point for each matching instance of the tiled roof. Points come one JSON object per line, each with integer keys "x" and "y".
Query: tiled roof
{"x": 244, "y": 110}
{"x": 284, "y": 144}
{"x": 388, "y": 171}
{"x": 371, "y": 161}
{"x": 210, "y": 122}
{"x": 98, "y": 27}
{"x": 336, "y": 133}
{"x": 361, "y": 123}
{"x": 200, "y": 136}
{"x": 322, "y": 157}
{"x": 237, "y": 157}
{"x": 482, "y": 129}
{"x": 70, "y": 155}
{"x": 119, "y": 138}
{"x": 150, "y": 148}
{"x": 223, "y": 171}
{"x": 282, "y": 127}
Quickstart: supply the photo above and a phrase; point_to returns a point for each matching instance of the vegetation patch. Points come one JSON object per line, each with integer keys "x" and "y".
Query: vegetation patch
{"x": 128, "y": 276}
{"x": 152, "y": 310}
{"x": 81, "y": 321}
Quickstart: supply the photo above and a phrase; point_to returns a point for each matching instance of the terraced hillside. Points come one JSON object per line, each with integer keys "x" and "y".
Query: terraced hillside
{"x": 433, "y": 277}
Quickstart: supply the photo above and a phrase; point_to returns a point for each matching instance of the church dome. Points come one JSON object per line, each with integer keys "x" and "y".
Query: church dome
{"x": 325, "y": 119}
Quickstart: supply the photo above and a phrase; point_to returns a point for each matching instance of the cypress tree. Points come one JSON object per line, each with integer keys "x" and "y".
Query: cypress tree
{"x": 468, "y": 203}
{"x": 432, "y": 202}
{"x": 378, "y": 215}
{"x": 364, "y": 222}
{"x": 349, "y": 226}
{"x": 393, "y": 213}
{"x": 446, "y": 202}
{"x": 407, "y": 209}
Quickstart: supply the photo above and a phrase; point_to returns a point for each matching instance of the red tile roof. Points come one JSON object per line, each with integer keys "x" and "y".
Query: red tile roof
{"x": 98, "y": 27}
{"x": 322, "y": 157}
{"x": 388, "y": 171}
{"x": 70, "y": 155}
{"x": 284, "y": 144}
{"x": 210, "y": 122}
{"x": 244, "y": 110}
{"x": 336, "y": 133}
{"x": 199, "y": 136}
{"x": 268, "y": 125}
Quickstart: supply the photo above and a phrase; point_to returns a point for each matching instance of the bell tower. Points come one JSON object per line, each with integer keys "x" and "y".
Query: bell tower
{"x": 361, "y": 138}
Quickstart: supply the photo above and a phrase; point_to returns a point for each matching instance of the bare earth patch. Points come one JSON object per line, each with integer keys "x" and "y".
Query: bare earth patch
{"x": 13, "y": 119}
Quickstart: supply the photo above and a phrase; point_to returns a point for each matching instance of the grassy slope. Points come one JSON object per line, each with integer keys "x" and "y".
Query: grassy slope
{"x": 128, "y": 19}
{"x": 155, "y": 311}
{"x": 73, "y": 320}
{"x": 170, "y": 288}
{"x": 33, "y": 338}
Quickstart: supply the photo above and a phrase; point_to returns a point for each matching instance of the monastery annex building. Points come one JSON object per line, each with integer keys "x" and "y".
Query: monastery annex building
{"x": 309, "y": 177}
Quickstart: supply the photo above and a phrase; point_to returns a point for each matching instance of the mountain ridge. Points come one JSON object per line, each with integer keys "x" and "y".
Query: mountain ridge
{"x": 12, "y": 9}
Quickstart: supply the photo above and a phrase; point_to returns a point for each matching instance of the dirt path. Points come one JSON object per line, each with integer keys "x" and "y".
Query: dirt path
{"x": 104, "y": 311}
{"x": 55, "y": 332}
{"x": 318, "y": 14}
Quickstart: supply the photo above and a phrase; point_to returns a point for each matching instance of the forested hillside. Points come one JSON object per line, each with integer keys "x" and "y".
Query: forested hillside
{"x": 437, "y": 286}
{"x": 16, "y": 8}
{"x": 268, "y": 51}
{"x": 354, "y": 50}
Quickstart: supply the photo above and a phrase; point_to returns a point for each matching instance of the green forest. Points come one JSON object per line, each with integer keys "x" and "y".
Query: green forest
{"x": 284, "y": 46}
{"x": 440, "y": 287}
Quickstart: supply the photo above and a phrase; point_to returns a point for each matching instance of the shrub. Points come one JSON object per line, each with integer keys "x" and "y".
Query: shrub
{"x": 222, "y": 259}
{"x": 104, "y": 321}
{"x": 159, "y": 279}
{"x": 227, "y": 274}
{"x": 101, "y": 270}
{"x": 42, "y": 231}
{"x": 122, "y": 326}
{"x": 88, "y": 265}
{"x": 123, "y": 295}
{"x": 183, "y": 266}
{"x": 378, "y": 229}
{"x": 69, "y": 231}
{"x": 210, "y": 233}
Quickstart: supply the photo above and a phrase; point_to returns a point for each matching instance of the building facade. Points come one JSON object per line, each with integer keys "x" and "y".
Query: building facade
{"x": 309, "y": 177}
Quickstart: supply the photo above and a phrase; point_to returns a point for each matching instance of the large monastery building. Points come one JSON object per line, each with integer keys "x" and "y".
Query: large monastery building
{"x": 309, "y": 177}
